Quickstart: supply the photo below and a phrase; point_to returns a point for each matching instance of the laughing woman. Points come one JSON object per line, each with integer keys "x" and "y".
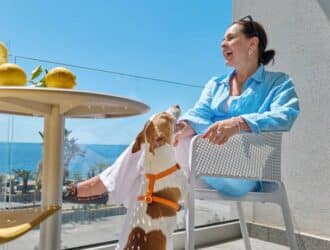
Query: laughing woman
{"x": 248, "y": 99}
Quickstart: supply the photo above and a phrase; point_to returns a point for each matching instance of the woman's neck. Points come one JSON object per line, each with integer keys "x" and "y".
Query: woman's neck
{"x": 240, "y": 77}
{"x": 242, "y": 74}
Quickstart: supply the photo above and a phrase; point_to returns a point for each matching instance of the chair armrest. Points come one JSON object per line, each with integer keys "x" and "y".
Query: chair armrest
{"x": 248, "y": 156}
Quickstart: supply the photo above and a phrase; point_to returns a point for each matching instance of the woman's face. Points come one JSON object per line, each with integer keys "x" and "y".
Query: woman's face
{"x": 236, "y": 46}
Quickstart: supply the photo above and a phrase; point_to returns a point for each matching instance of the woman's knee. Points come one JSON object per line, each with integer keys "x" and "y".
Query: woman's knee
{"x": 229, "y": 186}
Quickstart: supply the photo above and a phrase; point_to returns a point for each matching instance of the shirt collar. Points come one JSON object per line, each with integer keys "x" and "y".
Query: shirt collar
{"x": 258, "y": 76}
{"x": 226, "y": 79}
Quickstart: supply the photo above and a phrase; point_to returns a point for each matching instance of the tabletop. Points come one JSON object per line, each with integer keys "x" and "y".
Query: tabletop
{"x": 34, "y": 101}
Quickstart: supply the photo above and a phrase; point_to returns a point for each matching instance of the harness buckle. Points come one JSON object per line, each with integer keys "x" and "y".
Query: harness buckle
{"x": 148, "y": 198}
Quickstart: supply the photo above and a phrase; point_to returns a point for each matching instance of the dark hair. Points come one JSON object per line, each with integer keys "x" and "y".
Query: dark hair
{"x": 251, "y": 28}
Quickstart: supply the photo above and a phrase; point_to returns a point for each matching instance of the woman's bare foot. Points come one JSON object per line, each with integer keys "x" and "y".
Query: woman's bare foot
{"x": 91, "y": 187}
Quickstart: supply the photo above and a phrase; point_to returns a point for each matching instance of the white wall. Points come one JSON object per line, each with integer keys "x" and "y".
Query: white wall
{"x": 299, "y": 31}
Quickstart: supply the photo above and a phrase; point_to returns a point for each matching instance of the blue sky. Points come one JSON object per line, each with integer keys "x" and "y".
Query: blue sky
{"x": 171, "y": 40}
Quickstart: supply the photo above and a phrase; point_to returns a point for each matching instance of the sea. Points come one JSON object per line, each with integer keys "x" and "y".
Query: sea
{"x": 28, "y": 155}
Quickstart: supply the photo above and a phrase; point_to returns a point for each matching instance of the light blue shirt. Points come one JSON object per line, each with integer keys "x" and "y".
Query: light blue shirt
{"x": 268, "y": 102}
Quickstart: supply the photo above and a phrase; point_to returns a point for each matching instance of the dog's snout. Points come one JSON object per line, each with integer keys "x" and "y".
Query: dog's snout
{"x": 174, "y": 110}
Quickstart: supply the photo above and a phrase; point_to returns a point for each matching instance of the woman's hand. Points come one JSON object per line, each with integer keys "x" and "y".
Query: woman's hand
{"x": 219, "y": 132}
{"x": 182, "y": 130}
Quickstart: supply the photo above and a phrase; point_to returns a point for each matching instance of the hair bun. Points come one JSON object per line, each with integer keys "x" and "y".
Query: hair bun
{"x": 267, "y": 56}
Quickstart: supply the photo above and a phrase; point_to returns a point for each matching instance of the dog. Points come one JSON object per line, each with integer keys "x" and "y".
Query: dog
{"x": 164, "y": 185}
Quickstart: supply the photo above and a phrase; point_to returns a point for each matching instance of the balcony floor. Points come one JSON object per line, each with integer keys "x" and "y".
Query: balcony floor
{"x": 239, "y": 245}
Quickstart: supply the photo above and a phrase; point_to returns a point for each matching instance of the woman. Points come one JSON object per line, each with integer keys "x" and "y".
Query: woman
{"x": 247, "y": 99}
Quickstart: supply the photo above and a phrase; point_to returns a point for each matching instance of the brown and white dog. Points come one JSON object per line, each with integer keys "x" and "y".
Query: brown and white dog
{"x": 154, "y": 215}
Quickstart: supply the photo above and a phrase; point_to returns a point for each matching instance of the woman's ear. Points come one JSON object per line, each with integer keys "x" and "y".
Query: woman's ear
{"x": 254, "y": 43}
{"x": 138, "y": 141}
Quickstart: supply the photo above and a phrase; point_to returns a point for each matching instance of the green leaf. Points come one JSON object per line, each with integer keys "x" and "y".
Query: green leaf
{"x": 36, "y": 72}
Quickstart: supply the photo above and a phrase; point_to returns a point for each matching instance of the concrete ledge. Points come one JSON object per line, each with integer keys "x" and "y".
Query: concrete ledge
{"x": 278, "y": 235}
{"x": 220, "y": 233}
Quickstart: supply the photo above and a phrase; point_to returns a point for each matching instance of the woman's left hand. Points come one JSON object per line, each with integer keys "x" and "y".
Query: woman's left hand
{"x": 219, "y": 132}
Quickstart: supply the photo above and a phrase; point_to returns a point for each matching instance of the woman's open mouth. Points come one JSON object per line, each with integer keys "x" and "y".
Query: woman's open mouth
{"x": 227, "y": 54}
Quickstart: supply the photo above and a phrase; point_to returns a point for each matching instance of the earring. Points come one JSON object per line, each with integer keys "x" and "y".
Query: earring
{"x": 250, "y": 51}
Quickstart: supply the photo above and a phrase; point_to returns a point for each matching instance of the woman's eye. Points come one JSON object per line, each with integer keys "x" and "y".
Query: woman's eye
{"x": 228, "y": 38}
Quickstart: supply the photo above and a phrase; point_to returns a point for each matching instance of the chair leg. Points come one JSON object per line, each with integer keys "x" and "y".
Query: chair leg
{"x": 243, "y": 226}
{"x": 189, "y": 217}
{"x": 288, "y": 220}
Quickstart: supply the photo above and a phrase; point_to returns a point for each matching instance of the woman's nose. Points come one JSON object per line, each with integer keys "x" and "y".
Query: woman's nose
{"x": 223, "y": 43}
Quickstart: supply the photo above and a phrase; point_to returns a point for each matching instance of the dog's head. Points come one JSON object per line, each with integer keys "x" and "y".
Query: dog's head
{"x": 158, "y": 130}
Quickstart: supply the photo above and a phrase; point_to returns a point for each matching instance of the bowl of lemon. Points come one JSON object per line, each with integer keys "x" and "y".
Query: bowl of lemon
{"x": 13, "y": 75}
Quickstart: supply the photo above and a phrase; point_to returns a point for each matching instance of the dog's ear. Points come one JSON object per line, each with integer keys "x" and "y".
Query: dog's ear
{"x": 151, "y": 137}
{"x": 138, "y": 141}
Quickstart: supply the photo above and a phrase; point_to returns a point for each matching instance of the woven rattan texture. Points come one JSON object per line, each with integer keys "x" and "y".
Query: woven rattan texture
{"x": 251, "y": 156}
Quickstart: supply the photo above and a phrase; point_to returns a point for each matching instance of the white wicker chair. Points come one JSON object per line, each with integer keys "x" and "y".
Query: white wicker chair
{"x": 244, "y": 156}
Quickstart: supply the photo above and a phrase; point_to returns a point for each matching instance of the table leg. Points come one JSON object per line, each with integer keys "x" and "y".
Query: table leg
{"x": 52, "y": 175}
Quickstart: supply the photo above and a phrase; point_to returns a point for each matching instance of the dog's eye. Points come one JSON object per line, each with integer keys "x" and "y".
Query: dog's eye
{"x": 160, "y": 138}
{"x": 167, "y": 118}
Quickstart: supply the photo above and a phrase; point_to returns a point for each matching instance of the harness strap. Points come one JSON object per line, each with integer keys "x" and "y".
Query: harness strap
{"x": 149, "y": 197}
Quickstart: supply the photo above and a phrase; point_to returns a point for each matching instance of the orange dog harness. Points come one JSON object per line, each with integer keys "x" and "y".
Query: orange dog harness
{"x": 149, "y": 197}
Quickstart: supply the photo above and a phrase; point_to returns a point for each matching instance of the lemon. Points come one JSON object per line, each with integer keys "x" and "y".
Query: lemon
{"x": 60, "y": 77}
{"x": 12, "y": 75}
{"x": 3, "y": 53}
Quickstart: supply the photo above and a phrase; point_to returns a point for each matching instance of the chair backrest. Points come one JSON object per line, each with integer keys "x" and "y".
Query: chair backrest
{"x": 249, "y": 156}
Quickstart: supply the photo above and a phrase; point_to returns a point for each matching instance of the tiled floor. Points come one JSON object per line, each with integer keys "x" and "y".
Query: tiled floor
{"x": 239, "y": 245}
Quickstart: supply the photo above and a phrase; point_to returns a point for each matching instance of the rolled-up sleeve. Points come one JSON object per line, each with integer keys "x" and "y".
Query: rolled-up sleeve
{"x": 200, "y": 116}
{"x": 283, "y": 110}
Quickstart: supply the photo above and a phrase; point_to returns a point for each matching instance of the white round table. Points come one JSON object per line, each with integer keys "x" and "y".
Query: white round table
{"x": 55, "y": 105}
